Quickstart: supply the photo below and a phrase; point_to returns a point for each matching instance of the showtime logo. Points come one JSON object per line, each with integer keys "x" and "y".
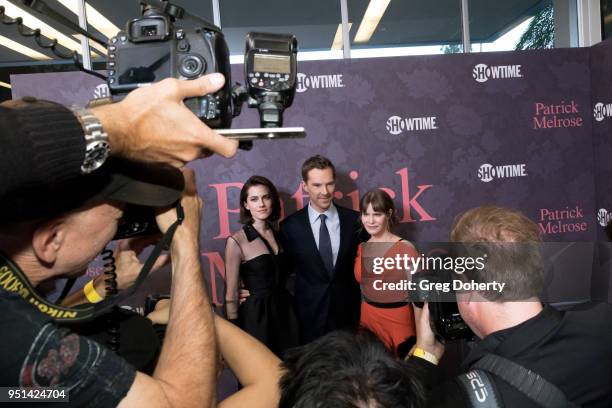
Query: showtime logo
{"x": 483, "y": 72}
{"x": 306, "y": 82}
{"x": 396, "y": 125}
{"x": 487, "y": 172}
{"x": 603, "y": 217}
{"x": 602, "y": 111}
{"x": 101, "y": 91}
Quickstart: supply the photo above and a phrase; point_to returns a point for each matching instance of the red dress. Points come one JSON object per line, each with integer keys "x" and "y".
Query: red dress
{"x": 392, "y": 325}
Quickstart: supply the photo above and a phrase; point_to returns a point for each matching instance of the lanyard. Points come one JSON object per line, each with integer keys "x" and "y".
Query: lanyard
{"x": 13, "y": 280}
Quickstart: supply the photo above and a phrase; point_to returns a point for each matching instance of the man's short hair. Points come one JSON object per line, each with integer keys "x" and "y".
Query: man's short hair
{"x": 512, "y": 243}
{"x": 317, "y": 162}
{"x": 342, "y": 369}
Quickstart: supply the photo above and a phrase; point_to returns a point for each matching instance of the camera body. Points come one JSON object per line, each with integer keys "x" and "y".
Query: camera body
{"x": 153, "y": 47}
{"x": 444, "y": 317}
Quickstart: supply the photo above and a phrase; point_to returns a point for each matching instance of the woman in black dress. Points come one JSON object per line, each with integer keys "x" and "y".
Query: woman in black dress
{"x": 253, "y": 255}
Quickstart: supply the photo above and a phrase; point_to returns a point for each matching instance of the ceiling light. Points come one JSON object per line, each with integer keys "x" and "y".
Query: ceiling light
{"x": 22, "y": 49}
{"x": 4, "y": 84}
{"x": 94, "y": 18}
{"x": 93, "y": 44}
{"x": 370, "y": 20}
{"x": 337, "y": 43}
{"x": 32, "y": 22}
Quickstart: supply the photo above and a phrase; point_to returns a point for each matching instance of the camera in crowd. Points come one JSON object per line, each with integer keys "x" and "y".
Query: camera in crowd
{"x": 168, "y": 42}
{"x": 434, "y": 285}
{"x": 445, "y": 320}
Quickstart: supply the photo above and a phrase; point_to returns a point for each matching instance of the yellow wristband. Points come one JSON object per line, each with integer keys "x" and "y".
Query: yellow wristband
{"x": 425, "y": 355}
{"x": 90, "y": 293}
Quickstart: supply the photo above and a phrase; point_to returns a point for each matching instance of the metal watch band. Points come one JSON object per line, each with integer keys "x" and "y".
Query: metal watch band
{"x": 97, "y": 148}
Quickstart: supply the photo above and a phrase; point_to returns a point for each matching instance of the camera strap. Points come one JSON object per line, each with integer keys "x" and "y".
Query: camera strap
{"x": 13, "y": 280}
{"x": 529, "y": 383}
{"x": 481, "y": 390}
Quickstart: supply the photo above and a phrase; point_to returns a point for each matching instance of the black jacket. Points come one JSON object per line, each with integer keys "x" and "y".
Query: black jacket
{"x": 572, "y": 350}
{"x": 323, "y": 302}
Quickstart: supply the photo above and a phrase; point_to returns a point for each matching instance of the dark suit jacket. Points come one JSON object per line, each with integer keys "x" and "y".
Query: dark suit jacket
{"x": 324, "y": 302}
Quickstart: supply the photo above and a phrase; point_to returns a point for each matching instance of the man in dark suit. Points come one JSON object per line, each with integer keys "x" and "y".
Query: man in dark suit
{"x": 321, "y": 242}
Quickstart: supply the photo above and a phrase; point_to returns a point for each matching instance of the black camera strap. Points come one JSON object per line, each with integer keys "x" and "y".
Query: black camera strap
{"x": 479, "y": 389}
{"x": 529, "y": 383}
{"x": 13, "y": 280}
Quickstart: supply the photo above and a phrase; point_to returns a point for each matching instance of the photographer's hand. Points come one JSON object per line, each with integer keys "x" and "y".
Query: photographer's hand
{"x": 153, "y": 124}
{"x": 426, "y": 339}
{"x": 127, "y": 262}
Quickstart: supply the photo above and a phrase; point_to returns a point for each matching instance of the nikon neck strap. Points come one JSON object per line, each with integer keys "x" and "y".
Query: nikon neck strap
{"x": 13, "y": 280}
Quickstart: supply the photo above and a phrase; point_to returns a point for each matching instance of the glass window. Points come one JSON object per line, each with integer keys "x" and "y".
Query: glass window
{"x": 522, "y": 24}
{"x": 606, "y": 19}
{"x": 314, "y": 23}
{"x": 408, "y": 26}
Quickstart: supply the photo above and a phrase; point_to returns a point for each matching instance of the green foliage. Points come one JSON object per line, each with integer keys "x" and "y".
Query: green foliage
{"x": 452, "y": 49}
{"x": 541, "y": 31}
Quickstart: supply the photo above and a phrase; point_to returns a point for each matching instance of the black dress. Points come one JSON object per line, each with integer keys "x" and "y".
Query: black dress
{"x": 268, "y": 314}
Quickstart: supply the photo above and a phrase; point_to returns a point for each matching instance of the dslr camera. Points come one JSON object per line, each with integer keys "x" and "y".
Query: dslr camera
{"x": 444, "y": 317}
{"x": 168, "y": 42}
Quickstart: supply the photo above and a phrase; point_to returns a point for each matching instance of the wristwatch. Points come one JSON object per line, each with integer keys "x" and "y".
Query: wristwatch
{"x": 97, "y": 148}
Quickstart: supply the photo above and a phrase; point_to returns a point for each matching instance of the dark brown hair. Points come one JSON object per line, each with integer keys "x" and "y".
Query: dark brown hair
{"x": 381, "y": 202}
{"x": 317, "y": 162}
{"x": 245, "y": 215}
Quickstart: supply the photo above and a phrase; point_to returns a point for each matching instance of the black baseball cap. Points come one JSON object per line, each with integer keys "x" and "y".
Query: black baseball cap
{"x": 152, "y": 185}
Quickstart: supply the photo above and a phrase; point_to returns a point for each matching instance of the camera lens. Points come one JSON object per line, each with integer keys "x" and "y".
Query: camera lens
{"x": 191, "y": 66}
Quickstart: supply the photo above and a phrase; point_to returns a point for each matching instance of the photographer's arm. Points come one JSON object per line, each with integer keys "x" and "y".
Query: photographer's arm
{"x": 256, "y": 367}
{"x": 153, "y": 124}
{"x": 426, "y": 339}
{"x": 185, "y": 373}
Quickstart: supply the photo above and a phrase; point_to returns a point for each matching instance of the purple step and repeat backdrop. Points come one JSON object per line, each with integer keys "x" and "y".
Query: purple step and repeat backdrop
{"x": 441, "y": 134}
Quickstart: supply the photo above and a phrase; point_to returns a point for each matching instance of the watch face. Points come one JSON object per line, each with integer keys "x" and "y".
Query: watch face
{"x": 95, "y": 155}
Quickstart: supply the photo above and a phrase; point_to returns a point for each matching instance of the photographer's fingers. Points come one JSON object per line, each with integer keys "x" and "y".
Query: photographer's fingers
{"x": 160, "y": 262}
{"x": 207, "y": 84}
{"x": 199, "y": 87}
{"x": 214, "y": 142}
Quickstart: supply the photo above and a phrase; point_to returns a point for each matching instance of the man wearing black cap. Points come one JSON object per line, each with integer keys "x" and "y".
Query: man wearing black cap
{"x": 57, "y": 238}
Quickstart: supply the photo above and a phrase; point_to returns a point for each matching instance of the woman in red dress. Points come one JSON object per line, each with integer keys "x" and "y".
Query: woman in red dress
{"x": 385, "y": 309}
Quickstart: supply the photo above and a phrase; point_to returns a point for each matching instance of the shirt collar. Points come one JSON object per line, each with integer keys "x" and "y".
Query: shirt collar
{"x": 331, "y": 213}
